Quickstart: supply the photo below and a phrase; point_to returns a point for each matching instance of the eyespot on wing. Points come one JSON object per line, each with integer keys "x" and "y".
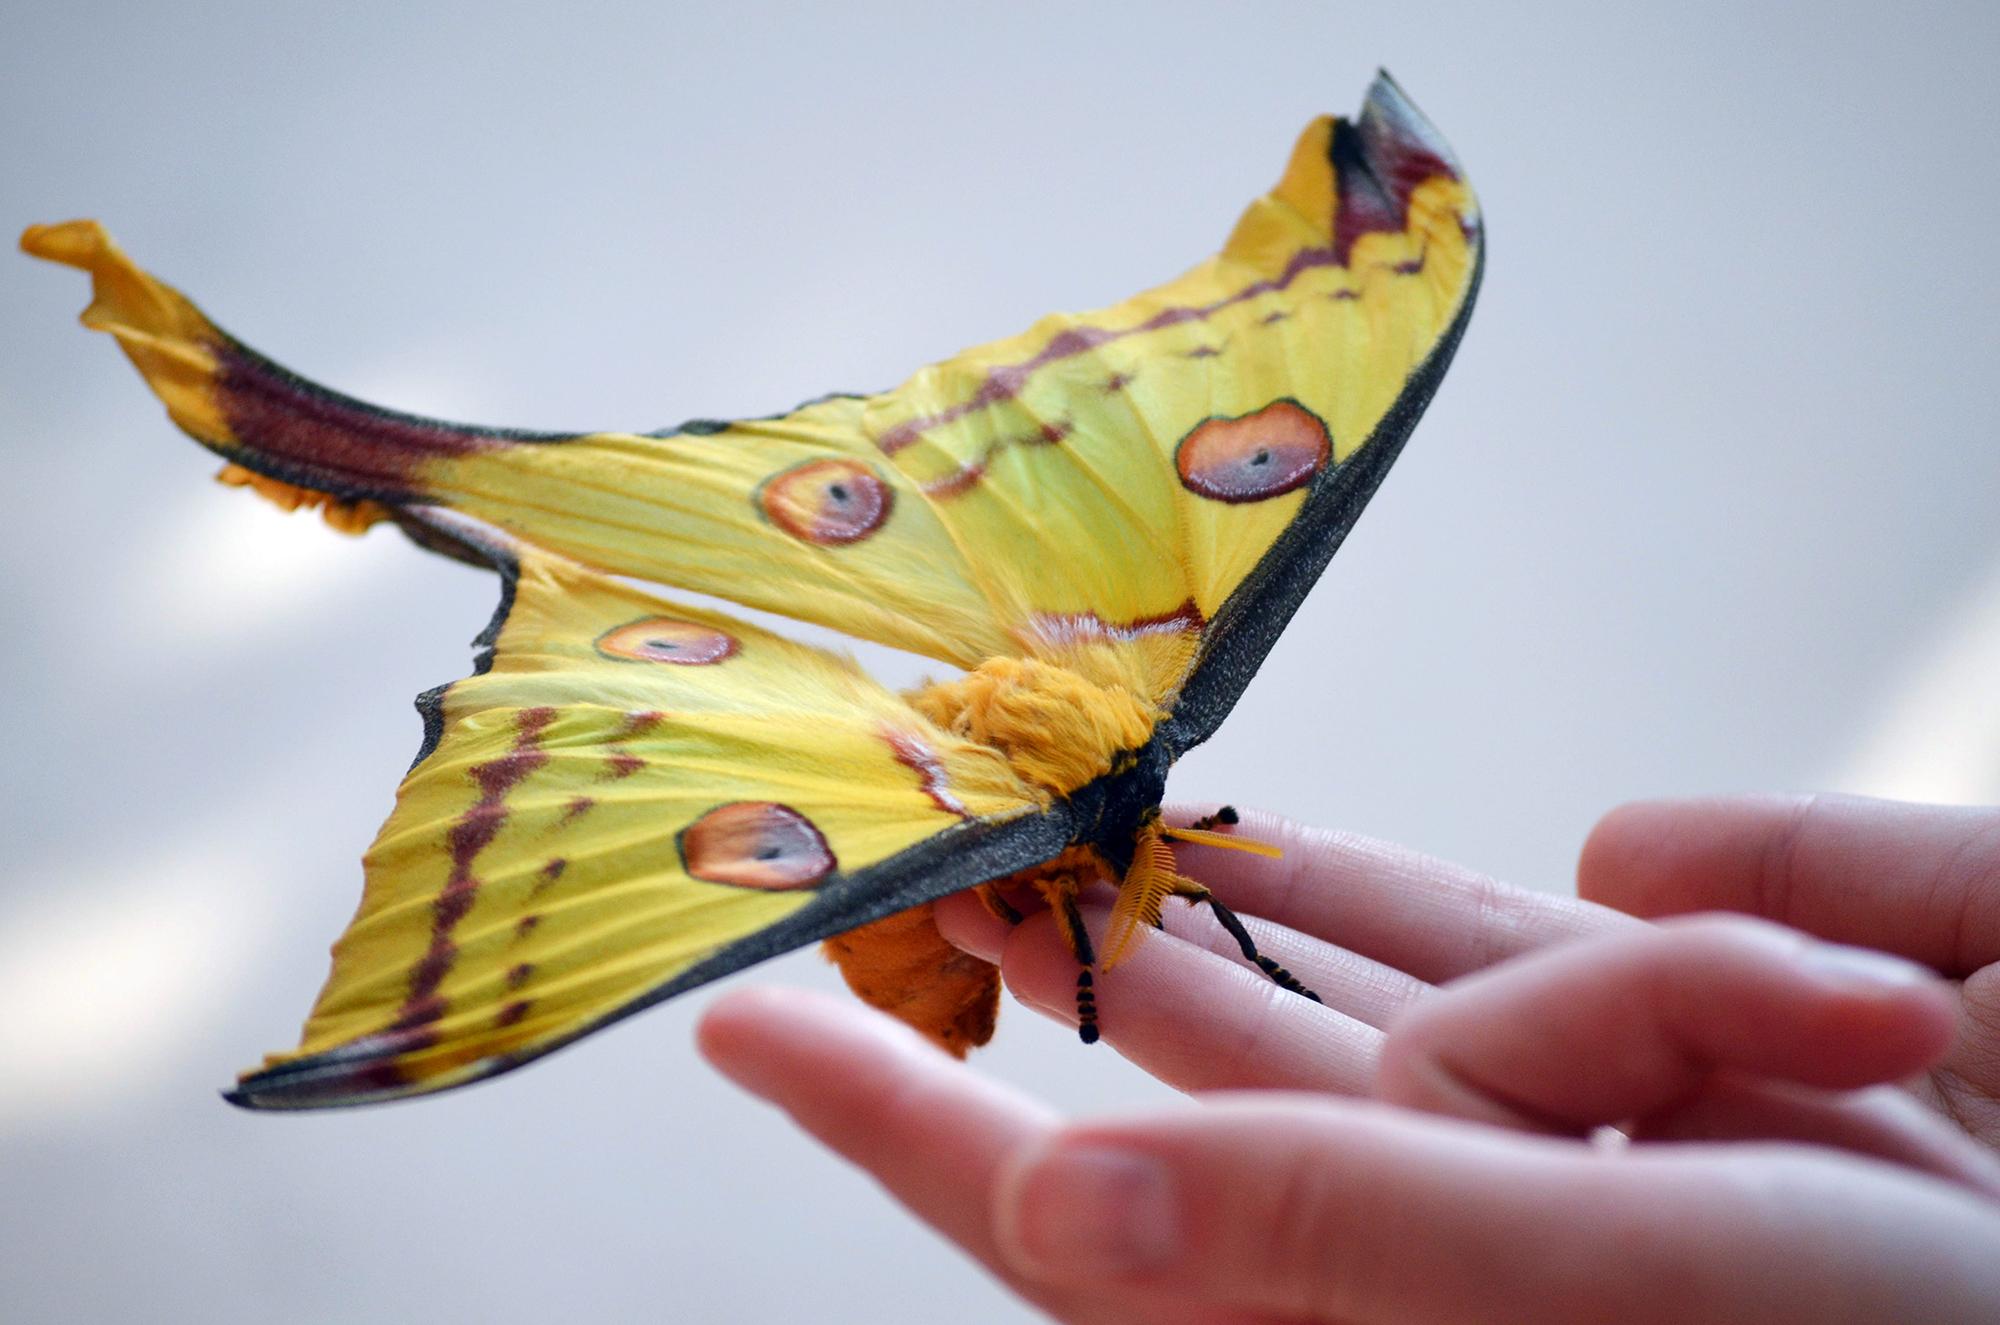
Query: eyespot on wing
{"x": 1265, "y": 454}
{"x": 666, "y": 640}
{"x": 829, "y": 502}
{"x": 756, "y": 844}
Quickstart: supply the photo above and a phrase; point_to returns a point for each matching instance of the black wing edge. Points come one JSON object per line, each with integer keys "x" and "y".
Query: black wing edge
{"x": 1249, "y": 623}
{"x": 705, "y": 427}
{"x": 958, "y": 858}
{"x": 434, "y": 530}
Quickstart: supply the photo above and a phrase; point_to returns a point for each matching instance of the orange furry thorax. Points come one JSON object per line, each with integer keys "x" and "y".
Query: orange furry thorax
{"x": 1059, "y": 727}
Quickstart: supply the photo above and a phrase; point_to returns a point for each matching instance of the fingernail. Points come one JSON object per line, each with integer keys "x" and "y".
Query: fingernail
{"x": 1863, "y": 967}
{"x": 1077, "y": 1211}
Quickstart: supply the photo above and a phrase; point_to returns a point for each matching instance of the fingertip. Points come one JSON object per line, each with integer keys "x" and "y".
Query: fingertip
{"x": 741, "y": 1017}
{"x": 1674, "y": 856}
{"x": 1617, "y": 864}
{"x": 969, "y": 926}
{"x": 1855, "y": 1014}
{"x": 773, "y": 1041}
{"x": 1906, "y": 1012}
{"x": 744, "y": 1032}
{"x": 1040, "y": 970}
{"x": 1845, "y": 967}
{"x": 750, "y": 1003}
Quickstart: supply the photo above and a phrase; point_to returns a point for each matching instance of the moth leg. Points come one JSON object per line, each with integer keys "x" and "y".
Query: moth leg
{"x": 1078, "y": 939}
{"x": 1226, "y": 815}
{"x": 996, "y": 905}
{"x": 1194, "y": 893}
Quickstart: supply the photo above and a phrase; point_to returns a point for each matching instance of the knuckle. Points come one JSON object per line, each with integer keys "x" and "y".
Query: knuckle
{"x": 1777, "y": 873}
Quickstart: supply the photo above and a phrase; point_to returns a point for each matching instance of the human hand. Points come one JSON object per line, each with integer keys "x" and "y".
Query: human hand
{"x": 1919, "y": 880}
{"x": 1287, "y": 1206}
{"x": 1369, "y": 926}
{"x": 1373, "y": 927}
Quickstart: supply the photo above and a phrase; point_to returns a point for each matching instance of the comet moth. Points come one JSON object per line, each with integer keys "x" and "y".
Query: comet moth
{"x": 1104, "y": 523}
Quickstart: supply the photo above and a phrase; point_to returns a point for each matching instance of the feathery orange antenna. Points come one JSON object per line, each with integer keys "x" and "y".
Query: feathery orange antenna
{"x": 1153, "y": 876}
{"x": 1150, "y": 881}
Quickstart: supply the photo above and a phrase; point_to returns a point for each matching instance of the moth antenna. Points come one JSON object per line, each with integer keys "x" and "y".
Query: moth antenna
{"x": 1142, "y": 893}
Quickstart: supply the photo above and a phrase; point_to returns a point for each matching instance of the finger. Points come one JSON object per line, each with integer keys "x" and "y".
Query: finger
{"x": 1407, "y": 910}
{"x": 1883, "y": 1123}
{"x": 1350, "y": 1211}
{"x": 877, "y": 1094}
{"x": 1631, "y": 1024}
{"x": 1196, "y": 1019}
{"x": 928, "y": 1129}
{"x": 1398, "y": 907}
{"x": 1368, "y": 991}
{"x": 1920, "y": 880}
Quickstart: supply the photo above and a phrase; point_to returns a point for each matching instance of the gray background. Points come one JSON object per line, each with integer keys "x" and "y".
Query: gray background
{"x": 1706, "y": 504}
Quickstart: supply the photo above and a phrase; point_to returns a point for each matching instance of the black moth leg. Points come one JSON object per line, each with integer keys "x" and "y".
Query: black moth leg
{"x": 1086, "y": 995}
{"x": 1226, "y": 816}
{"x": 998, "y": 906}
{"x": 1225, "y": 917}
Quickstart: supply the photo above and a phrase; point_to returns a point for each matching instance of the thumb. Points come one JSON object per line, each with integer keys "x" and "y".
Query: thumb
{"x": 1337, "y": 1210}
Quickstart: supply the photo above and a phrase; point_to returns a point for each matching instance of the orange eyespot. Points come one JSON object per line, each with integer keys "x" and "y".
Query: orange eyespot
{"x": 756, "y": 844}
{"x": 1265, "y": 454}
{"x": 829, "y": 502}
{"x": 663, "y": 639}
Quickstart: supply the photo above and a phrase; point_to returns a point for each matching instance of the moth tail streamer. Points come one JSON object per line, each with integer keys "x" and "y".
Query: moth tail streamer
{"x": 294, "y": 442}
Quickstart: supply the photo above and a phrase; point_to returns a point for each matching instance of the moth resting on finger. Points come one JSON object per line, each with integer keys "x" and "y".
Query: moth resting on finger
{"x": 1104, "y": 523}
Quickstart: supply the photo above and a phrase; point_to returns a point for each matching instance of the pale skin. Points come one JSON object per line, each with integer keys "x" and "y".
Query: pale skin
{"x": 1812, "y": 1096}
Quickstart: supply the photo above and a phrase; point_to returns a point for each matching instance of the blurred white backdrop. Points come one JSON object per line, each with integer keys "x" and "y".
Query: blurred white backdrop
{"x": 1707, "y": 503}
